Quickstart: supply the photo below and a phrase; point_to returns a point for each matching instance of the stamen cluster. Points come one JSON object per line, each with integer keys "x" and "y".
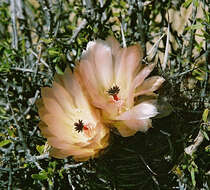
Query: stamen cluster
{"x": 114, "y": 90}
{"x": 79, "y": 126}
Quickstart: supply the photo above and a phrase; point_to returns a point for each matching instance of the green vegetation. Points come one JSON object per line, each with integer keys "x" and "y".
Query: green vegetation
{"x": 41, "y": 37}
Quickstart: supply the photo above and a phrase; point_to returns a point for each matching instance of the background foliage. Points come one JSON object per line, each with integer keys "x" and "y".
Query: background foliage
{"x": 41, "y": 37}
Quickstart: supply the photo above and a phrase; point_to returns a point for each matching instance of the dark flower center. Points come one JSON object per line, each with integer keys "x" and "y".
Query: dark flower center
{"x": 79, "y": 126}
{"x": 114, "y": 91}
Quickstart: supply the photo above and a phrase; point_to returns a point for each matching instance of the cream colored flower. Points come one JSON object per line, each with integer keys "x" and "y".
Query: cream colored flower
{"x": 114, "y": 77}
{"x": 72, "y": 127}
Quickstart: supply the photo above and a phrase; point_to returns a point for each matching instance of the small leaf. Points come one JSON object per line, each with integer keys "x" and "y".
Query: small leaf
{"x": 46, "y": 40}
{"x": 166, "y": 50}
{"x": 40, "y": 149}
{"x": 192, "y": 172}
{"x": 2, "y": 135}
{"x": 196, "y": 3}
{"x": 205, "y": 135}
{"x": 53, "y": 52}
{"x": 25, "y": 165}
{"x": 187, "y": 3}
{"x": 205, "y": 115}
{"x": 50, "y": 182}
{"x": 52, "y": 164}
{"x": 176, "y": 169}
{"x": 58, "y": 70}
{"x": 11, "y": 132}
{"x": 199, "y": 78}
{"x": 5, "y": 142}
{"x": 2, "y": 110}
{"x": 207, "y": 148}
{"x": 61, "y": 173}
{"x": 197, "y": 26}
{"x": 40, "y": 176}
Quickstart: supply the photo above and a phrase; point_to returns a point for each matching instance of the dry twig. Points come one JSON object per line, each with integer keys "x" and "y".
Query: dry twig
{"x": 193, "y": 148}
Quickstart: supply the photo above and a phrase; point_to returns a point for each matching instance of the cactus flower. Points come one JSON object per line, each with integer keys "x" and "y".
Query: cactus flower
{"x": 114, "y": 77}
{"x": 70, "y": 124}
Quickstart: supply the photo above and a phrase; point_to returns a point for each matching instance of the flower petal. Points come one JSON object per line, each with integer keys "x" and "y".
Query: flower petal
{"x": 63, "y": 98}
{"x": 87, "y": 77}
{"x": 103, "y": 61}
{"x": 114, "y": 44}
{"x": 99, "y": 54}
{"x": 61, "y": 127}
{"x": 48, "y": 100}
{"x": 101, "y": 138}
{"x": 143, "y": 74}
{"x": 60, "y": 143}
{"x": 138, "y": 80}
{"x": 71, "y": 85}
{"x": 139, "y": 125}
{"x": 149, "y": 85}
{"x": 45, "y": 130}
{"x": 83, "y": 154}
{"x": 63, "y": 105}
{"x": 125, "y": 131}
{"x": 56, "y": 100}
{"x": 126, "y": 64}
{"x": 141, "y": 111}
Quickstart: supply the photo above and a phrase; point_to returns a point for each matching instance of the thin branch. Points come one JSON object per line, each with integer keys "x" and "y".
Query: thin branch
{"x": 184, "y": 73}
{"x": 207, "y": 54}
{"x": 40, "y": 59}
{"x": 69, "y": 176}
{"x": 166, "y": 50}
{"x": 77, "y": 30}
{"x": 41, "y": 157}
{"x": 48, "y": 15}
{"x": 141, "y": 24}
{"x": 70, "y": 181}
{"x": 67, "y": 166}
{"x": 156, "y": 182}
{"x": 192, "y": 34}
{"x": 14, "y": 25}
{"x": 154, "y": 47}
{"x": 32, "y": 102}
{"x": 22, "y": 69}
{"x": 123, "y": 36}
{"x": 28, "y": 70}
{"x": 193, "y": 148}
{"x": 20, "y": 134}
{"x": 147, "y": 166}
{"x": 10, "y": 179}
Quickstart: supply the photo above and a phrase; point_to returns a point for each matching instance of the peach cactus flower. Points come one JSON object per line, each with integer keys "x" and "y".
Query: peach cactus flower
{"x": 114, "y": 77}
{"x": 70, "y": 124}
